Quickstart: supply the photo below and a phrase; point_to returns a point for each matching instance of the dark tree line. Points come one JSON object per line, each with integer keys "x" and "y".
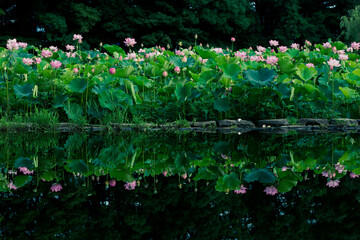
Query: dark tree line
{"x": 162, "y": 22}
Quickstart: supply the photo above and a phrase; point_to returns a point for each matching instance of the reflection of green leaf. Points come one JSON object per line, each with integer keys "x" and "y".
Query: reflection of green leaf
{"x": 261, "y": 175}
{"x": 78, "y": 166}
{"x": 121, "y": 175}
{"x": 21, "y": 180}
{"x": 23, "y": 162}
{"x": 288, "y": 180}
{"x": 204, "y": 173}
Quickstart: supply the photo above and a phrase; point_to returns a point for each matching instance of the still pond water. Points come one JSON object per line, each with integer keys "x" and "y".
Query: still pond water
{"x": 179, "y": 186}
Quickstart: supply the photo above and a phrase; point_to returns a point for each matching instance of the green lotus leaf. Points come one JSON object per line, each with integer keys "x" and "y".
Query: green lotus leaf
{"x": 25, "y": 90}
{"x": 262, "y": 77}
{"x": 78, "y": 85}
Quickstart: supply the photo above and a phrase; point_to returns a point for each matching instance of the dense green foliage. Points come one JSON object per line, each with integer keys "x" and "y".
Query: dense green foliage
{"x": 156, "y": 85}
{"x": 163, "y": 22}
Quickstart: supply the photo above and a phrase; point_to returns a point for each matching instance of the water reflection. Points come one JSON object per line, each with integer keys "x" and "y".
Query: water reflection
{"x": 174, "y": 186}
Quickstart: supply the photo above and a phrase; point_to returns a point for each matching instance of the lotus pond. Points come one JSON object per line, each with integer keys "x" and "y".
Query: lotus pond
{"x": 109, "y": 84}
{"x": 179, "y": 186}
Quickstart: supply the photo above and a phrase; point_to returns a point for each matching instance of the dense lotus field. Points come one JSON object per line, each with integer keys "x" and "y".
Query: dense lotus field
{"x": 199, "y": 83}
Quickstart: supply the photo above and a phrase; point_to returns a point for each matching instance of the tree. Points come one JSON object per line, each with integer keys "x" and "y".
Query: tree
{"x": 351, "y": 25}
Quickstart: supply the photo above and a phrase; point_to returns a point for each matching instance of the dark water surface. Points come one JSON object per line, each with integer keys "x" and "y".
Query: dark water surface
{"x": 179, "y": 186}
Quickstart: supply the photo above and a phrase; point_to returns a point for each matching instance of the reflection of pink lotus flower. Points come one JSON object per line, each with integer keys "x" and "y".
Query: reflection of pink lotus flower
{"x": 11, "y": 185}
{"x": 25, "y": 170}
{"x": 28, "y": 61}
{"x": 165, "y": 173}
{"x": 184, "y": 176}
{"x": 353, "y": 175}
{"x": 56, "y": 187}
{"x": 242, "y": 190}
{"x": 225, "y": 156}
{"x": 271, "y": 190}
{"x": 130, "y": 186}
{"x": 112, "y": 183}
{"x": 332, "y": 183}
{"x": 340, "y": 168}
{"x": 129, "y": 42}
{"x": 55, "y": 64}
{"x": 46, "y": 53}
{"x": 325, "y": 173}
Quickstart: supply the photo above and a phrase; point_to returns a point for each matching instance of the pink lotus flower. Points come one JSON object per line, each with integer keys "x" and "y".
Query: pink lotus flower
{"x": 343, "y": 57}
{"x": 162, "y": 49}
{"x": 295, "y": 46}
{"x": 284, "y": 168}
{"x": 37, "y": 60}
{"x": 261, "y": 49}
{"x": 77, "y": 37}
{"x": 179, "y": 53}
{"x": 350, "y": 49}
{"x": 272, "y": 60}
{"x": 165, "y": 173}
{"x": 12, "y": 172}
{"x": 177, "y": 69}
{"x": 225, "y": 156}
{"x": 130, "y": 186}
{"x": 310, "y": 65}
{"x": 112, "y": 71}
{"x": 56, "y": 187}
{"x": 112, "y": 183}
{"x": 353, "y": 175}
{"x": 46, "y": 53}
{"x": 129, "y": 42}
{"x": 217, "y": 50}
{"x": 307, "y": 43}
{"x": 327, "y": 45}
{"x": 70, "y": 55}
{"x": 184, "y": 176}
{"x": 242, "y": 54}
{"x": 22, "y": 44}
{"x": 12, "y": 44}
{"x": 233, "y": 39}
{"x": 55, "y": 64}
{"x": 76, "y": 70}
{"x": 242, "y": 190}
{"x": 26, "y": 171}
{"x": 257, "y": 58}
{"x": 282, "y": 49}
{"x": 184, "y": 59}
{"x": 70, "y": 47}
{"x": 332, "y": 183}
{"x": 165, "y": 74}
{"x": 28, "y": 61}
{"x": 130, "y": 56}
{"x": 271, "y": 190}
{"x": 274, "y": 43}
{"x": 54, "y": 49}
{"x": 355, "y": 45}
{"x": 333, "y": 63}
